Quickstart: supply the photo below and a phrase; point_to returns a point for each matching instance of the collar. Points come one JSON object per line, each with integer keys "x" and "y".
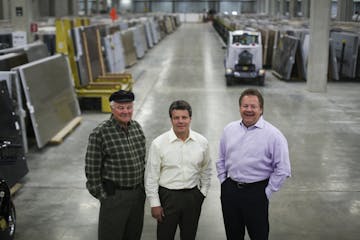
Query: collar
{"x": 173, "y": 137}
{"x": 116, "y": 123}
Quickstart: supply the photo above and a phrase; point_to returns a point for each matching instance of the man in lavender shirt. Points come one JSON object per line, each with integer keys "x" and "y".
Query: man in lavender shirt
{"x": 253, "y": 163}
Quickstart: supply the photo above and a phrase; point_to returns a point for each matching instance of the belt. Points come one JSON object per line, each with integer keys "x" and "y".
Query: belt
{"x": 128, "y": 187}
{"x": 179, "y": 190}
{"x": 245, "y": 184}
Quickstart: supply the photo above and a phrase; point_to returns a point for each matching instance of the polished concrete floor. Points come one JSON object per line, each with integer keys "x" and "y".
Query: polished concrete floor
{"x": 320, "y": 201}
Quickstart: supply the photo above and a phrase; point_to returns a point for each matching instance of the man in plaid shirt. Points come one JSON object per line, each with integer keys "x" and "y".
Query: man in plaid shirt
{"x": 114, "y": 168}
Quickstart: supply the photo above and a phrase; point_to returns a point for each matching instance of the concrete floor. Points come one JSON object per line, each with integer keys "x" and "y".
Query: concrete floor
{"x": 320, "y": 201}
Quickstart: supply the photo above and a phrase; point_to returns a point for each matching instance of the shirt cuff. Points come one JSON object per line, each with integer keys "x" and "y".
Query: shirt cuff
{"x": 154, "y": 202}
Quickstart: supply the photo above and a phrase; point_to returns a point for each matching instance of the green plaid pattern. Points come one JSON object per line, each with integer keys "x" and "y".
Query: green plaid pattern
{"x": 115, "y": 154}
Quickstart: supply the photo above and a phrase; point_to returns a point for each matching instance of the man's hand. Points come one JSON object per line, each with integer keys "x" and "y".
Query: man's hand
{"x": 158, "y": 213}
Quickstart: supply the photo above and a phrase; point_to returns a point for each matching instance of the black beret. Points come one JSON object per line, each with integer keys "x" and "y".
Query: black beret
{"x": 122, "y": 96}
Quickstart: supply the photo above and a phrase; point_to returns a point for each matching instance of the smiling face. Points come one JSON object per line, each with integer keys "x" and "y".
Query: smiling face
{"x": 250, "y": 110}
{"x": 180, "y": 120}
{"x": 122, "y": 112}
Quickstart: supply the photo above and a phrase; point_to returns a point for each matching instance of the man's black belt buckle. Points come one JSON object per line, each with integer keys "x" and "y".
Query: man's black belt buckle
{"x": 241, "y": 184}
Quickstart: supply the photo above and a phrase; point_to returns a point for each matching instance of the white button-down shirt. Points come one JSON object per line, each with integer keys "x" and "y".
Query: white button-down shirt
{"x": 177, "y": 164}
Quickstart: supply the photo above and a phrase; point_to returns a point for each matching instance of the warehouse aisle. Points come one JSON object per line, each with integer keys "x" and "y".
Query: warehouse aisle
{"x": 320, "y": 201}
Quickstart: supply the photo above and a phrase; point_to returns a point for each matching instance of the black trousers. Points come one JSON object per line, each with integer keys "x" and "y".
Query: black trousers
{"x": 245, "y": 206}
{"x": 181, "y": 208}
{"x": 121, "y": 216}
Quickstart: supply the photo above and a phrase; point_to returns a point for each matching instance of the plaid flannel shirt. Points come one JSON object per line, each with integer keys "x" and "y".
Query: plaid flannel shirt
{"x": 115, "y": 154}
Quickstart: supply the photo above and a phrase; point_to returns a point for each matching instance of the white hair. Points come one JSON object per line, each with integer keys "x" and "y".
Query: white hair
{"x": 112, "y": 104}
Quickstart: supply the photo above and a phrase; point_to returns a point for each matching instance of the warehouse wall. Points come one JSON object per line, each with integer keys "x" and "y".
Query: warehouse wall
{"x": 4, "y": 9}
{"x": 186, "y": 6}
{"x": 55, "y": 8}
{"x": 1, "y": 10}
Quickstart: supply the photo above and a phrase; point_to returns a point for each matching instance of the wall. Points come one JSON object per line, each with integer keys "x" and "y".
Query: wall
{"x": 188, "y": 6}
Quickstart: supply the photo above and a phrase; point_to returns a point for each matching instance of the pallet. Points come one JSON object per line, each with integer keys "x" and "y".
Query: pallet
{"x": 100, "y": 94}
{"x": 101, "y": 89}
{"x": 59, "y": 137}
{"x": 95, "y": 103}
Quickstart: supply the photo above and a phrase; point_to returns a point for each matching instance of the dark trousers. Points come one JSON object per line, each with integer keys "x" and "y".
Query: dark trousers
{"x": 181, "y": 208}
{"x": 245, "y": 206}
{"x": 122, "y": 215}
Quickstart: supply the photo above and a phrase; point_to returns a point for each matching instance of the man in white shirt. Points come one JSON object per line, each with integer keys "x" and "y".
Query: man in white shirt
{"x": 177, "y": 175}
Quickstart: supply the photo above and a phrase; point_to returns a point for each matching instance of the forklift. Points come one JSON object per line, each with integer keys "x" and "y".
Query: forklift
{"x": 7, "y": 212}
{"x": 12, "y": 160}
{"x": 243, "y": 59}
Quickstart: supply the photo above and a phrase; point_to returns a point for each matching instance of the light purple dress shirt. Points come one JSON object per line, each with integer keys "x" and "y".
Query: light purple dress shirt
{"x": 254, "y": 154}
